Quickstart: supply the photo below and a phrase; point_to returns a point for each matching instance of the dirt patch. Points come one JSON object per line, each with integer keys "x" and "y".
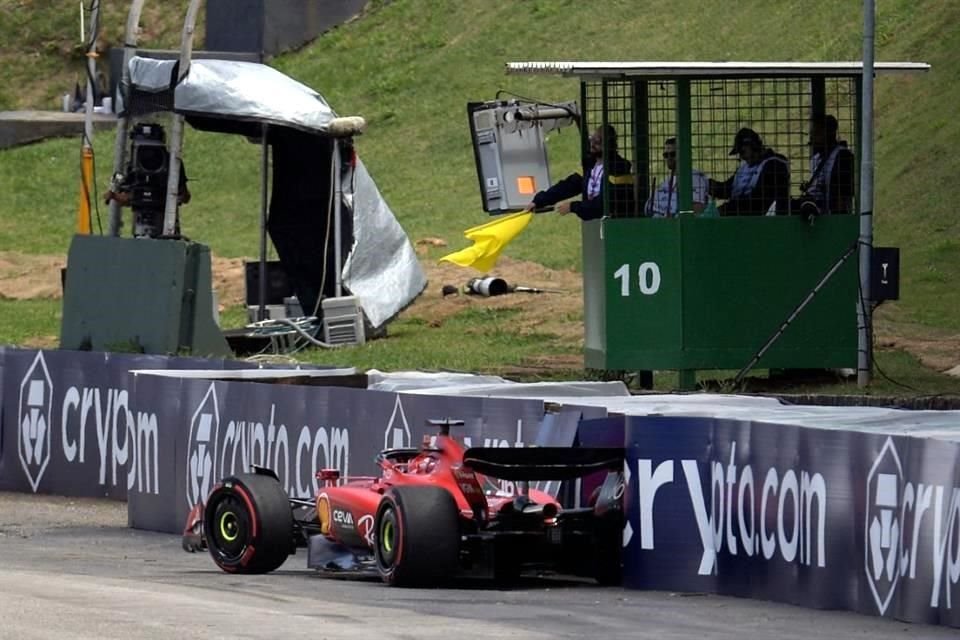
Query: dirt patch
{"x": 26, "y": 276}
{"x": 229, "y": 281}
{"x": 557, "y": 313}
{"x": 30, "y": 277}
{"x": 41, "y": 342}
{"x": 937, "y": 349}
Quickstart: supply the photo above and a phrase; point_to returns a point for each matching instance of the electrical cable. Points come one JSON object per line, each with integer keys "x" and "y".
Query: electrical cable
{"x": 326, "y": 239}
{"x": 268, "y": 328}
{"x": 739, "y": 378}
{"x": 303, "y": 333}
{"x": 876, "y": 365}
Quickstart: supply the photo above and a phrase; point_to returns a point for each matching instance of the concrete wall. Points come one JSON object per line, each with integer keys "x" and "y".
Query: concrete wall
{"x": 269, "y": 27}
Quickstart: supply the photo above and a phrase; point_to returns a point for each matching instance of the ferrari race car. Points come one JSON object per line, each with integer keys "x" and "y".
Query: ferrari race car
{"x": 433, "y": 514}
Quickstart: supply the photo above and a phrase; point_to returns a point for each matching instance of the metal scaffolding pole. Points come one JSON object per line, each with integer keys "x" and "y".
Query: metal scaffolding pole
{"x": 84, "y": 222}
{"x": 123, "y": 121}
{"x": 176, "y": 133}
{"x": 865, "y": 312}
{"x": 264, "y": 186}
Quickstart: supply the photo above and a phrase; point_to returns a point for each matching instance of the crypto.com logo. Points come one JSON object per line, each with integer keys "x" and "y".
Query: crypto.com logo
{"x": 883, "y": 530}
{"x": 34, "y": 424}
{"x": 397, "y": 433}
{"x": 202, "y": 448}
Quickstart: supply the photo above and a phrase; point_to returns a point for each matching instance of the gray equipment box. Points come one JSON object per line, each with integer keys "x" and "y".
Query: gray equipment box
{"x": 343, "y": 321}
{"x": 510, "y": 151}
{"x": 273, "y": 311}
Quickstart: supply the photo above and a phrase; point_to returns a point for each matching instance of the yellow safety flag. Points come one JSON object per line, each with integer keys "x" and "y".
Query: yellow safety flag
{"x": 488, "y": 241}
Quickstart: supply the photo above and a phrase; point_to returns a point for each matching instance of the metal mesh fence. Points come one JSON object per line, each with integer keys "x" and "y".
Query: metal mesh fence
{"x": 609, "y": 114}
{"x": 662, "y": 127}
{"x": 781, "y": 112}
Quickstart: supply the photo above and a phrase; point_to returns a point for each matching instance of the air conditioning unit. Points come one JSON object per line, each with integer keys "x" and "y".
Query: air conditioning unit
{"x": 343, "y": 321}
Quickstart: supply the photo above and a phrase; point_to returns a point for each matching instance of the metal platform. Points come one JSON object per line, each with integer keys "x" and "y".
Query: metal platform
{"x": 24, "y": 127}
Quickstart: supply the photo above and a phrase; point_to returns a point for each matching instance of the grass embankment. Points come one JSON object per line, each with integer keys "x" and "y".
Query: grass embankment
{"x": 410, "y": 66}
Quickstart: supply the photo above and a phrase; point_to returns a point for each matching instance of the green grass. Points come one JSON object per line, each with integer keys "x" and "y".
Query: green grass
{"x": 40, "y": 185}
{"x": 43, "y": 55}
{"x": 25, "y": 321}
{"x": 897, "y": 374}
{"x": 474, "y": 340}
{"x": 410, "y": 67}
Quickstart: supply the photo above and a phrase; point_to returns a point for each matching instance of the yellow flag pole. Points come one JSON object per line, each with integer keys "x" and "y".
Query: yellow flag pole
{"x": 84, "y": 220}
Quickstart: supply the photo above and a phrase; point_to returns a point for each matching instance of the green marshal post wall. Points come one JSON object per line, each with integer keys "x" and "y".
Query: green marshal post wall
{"x": 693, "y": 293}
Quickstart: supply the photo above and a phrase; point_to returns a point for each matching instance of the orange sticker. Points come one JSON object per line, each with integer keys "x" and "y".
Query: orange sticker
{"x": 526, "y": 185}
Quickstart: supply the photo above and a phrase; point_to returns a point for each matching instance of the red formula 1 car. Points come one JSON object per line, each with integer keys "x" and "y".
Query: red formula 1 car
{"x": 433, "y": 514}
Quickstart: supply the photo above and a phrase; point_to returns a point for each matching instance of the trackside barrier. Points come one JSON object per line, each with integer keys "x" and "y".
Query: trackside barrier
{"x": 815, "y": 517}
{"x": 214, "y": 429}
{"x": 68, "y": 423}
{"x": 80, "y": 424}
{"x": 834, "y": 519}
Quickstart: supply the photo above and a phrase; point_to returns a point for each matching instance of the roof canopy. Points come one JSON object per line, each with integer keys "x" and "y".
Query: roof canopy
{"x": 244, "y": 91}
{"x": 709, "y": 69}
{"x": 381, "y": 267}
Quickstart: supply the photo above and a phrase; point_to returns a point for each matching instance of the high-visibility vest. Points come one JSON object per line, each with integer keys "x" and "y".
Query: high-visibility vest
{"x": 819, "y": 188}
{"x": 745, "y": 180}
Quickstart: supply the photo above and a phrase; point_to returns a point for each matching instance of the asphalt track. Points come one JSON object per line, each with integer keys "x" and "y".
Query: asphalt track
{"x": 70, "y": 569}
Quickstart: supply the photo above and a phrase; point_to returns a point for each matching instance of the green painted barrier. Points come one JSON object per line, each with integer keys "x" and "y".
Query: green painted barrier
{"x": 140, "y": 295}
{"x": 708, "y": 293}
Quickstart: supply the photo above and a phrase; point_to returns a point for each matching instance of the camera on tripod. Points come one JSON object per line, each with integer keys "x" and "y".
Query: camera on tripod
{"x": 146, "y": 179}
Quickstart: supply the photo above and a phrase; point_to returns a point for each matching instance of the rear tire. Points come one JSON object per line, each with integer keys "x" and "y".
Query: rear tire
{"x": 417, "y": 537}
{"x": 249, "y": 524}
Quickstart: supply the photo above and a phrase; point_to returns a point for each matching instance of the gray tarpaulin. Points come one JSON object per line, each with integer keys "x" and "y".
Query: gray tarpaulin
{"x": 236, "y": 90}
{"x": 381, "y": 261}
{"x": 381, "y": 267}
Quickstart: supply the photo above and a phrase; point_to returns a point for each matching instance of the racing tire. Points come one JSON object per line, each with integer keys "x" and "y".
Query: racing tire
{"x": 249, "y": 524}
{"x": 417, "y": 539}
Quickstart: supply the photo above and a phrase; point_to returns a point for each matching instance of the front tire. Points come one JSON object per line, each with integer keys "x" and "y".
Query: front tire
{"x": 417, "y": 537}
{"x": 249, "y": 524}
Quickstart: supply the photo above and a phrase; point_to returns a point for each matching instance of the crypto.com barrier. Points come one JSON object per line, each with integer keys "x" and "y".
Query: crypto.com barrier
{"x": 214, "y": 429}
{"x": 815, "y": 517}
{"x": 69, "y": 425}
{"x": 79, "y": 424}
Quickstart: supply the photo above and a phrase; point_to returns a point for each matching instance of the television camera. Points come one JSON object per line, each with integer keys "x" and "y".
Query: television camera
{"x": 144, "y": 186}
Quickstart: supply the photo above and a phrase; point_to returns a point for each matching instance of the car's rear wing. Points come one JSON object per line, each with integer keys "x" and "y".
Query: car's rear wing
{"x": 542, "y": 463}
